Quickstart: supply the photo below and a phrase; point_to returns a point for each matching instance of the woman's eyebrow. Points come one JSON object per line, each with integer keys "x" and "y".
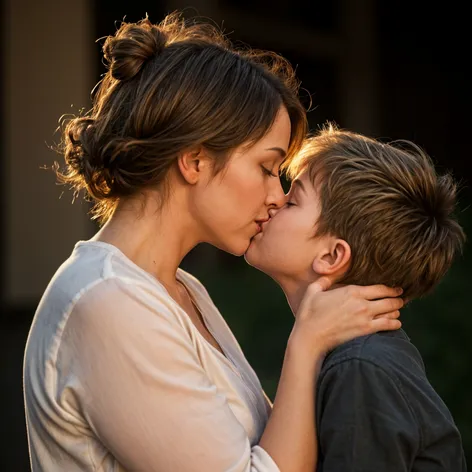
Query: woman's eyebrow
{"x": 282, "y": 152}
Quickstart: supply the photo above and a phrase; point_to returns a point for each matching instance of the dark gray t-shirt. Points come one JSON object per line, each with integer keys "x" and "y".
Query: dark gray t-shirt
{"x": 377, "y": 411}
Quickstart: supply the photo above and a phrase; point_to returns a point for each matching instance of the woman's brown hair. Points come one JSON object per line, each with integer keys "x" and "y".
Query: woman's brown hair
{"x": 169, "y": 87}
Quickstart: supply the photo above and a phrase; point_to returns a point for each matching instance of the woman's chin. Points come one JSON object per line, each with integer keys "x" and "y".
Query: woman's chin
{"x": 237, "y": 248}
{"x": 242, "y": 247}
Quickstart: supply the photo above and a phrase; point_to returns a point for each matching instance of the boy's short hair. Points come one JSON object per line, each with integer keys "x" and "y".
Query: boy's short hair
{"x": 388, "y": 203}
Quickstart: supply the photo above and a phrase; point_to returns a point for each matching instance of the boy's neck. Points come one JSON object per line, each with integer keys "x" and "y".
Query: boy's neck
{"x": 294, "y": 291}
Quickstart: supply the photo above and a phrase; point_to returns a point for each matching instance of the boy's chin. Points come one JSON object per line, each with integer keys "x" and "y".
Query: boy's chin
{"x": 248, "y": 258}
{"x": 255, "y": 259}
{"x": 252, "y": 256}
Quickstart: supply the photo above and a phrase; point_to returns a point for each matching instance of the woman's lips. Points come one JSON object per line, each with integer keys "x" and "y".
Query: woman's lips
{"x": 261, "y": 224}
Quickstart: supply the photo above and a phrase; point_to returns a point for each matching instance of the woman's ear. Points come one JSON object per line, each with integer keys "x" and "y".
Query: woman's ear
{"x": 192, "y": 164}
{"x": 334, "y": 259}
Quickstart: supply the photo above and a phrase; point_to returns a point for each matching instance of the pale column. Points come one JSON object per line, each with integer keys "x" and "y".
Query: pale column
{"x": 48, "y": 64}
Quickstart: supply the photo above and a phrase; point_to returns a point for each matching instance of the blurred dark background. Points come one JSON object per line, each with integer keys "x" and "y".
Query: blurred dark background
{"x": 388, "y": 69}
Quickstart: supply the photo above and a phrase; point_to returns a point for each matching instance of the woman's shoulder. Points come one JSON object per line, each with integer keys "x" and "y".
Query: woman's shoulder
{"x": 89, "y": 264}
{"x": 95, "y": 280}
{"x": 121, "y": 303}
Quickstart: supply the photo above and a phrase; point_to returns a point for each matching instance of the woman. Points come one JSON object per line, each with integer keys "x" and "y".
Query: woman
{"x": 129, "y": 365}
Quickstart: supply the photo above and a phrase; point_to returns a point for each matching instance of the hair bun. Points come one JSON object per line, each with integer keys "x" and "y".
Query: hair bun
{"x": 131, "y": 47}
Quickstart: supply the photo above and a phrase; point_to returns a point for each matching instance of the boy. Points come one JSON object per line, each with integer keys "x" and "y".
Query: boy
{"x": 363, "y": 212}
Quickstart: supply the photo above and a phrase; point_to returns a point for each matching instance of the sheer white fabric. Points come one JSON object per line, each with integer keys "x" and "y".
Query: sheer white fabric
{"x": 118, "y": 378}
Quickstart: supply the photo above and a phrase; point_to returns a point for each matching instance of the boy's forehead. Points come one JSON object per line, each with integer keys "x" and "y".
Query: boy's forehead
{"x": 302, "y": 175}
{"x": 305, "y": 183}
{"x": 308, "y": 181}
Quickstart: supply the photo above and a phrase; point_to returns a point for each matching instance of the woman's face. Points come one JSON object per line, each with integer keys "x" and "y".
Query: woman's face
{"x": 231, "y": 206}
{"x": 286, "y": 246}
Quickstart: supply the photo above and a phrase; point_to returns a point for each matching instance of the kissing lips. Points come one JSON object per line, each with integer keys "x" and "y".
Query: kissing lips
{"x": 260, "y": 224}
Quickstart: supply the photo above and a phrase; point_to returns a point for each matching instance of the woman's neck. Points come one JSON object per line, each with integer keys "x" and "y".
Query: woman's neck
{"x": 156, "y": 239}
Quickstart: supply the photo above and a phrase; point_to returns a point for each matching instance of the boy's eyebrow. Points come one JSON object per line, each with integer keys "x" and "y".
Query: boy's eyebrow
{"x": 300, "y": 184}
{"x": 279, "y": 150}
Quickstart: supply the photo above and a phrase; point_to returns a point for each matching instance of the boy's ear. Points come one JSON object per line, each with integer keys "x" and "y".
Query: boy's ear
{"x": 192, "y": 164}
{"x": 334, "y": 259}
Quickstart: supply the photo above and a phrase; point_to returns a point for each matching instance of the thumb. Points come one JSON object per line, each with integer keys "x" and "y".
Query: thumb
{"x": 321, "y": 285}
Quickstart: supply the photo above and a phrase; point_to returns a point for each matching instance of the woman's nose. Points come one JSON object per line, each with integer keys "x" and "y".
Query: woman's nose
{"x": 276, "y": 197}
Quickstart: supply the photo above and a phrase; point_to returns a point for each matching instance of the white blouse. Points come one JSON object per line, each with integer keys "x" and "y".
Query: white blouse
{"x": 117, "y": 377}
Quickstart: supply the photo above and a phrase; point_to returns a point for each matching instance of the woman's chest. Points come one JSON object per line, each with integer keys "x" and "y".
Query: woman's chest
{"x": 232, "y": 377}
{"x": 244, "y": 396}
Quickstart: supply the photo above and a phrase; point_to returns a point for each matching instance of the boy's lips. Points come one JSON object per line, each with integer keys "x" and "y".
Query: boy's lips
{"x": 265, "y": 223}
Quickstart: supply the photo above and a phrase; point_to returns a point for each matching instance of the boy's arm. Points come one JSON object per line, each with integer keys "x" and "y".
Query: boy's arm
{"x": 365, "y": 423}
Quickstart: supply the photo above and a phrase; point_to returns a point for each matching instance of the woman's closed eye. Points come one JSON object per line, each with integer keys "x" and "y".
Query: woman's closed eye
{"x": 268, "y": 172}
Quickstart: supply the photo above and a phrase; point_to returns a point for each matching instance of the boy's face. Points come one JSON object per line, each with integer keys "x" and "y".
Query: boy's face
{"x": 286, "y": 246}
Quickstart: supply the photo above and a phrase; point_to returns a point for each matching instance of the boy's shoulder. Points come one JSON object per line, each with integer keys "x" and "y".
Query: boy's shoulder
{"x": 388, "y": 350}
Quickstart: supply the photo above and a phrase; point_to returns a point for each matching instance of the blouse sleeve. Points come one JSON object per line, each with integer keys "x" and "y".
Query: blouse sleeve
{"x": 144, "y": 392}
